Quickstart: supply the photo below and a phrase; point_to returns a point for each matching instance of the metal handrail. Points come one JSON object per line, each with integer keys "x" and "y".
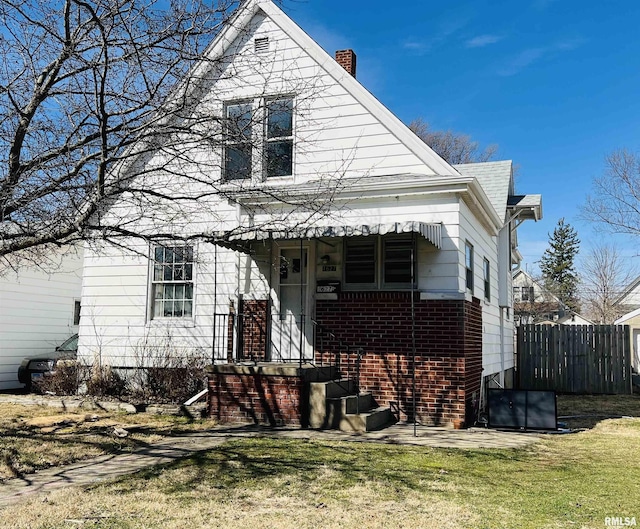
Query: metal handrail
{"x": 342, "y": 347}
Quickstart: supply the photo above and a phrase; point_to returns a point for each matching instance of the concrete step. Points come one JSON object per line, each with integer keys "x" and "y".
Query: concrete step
{"x": 319, "y": 392}
{"x": 374, "y": 419}
{"x": 339, "y": 407}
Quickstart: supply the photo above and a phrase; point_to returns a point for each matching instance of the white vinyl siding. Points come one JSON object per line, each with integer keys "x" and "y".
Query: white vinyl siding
{"x": 37, "y": 311}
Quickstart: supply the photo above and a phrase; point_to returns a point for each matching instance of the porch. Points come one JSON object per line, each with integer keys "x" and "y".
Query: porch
{"x": 369, "y": 354}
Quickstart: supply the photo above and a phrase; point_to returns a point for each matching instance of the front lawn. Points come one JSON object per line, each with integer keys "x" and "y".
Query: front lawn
{"x": 572, "y": 480}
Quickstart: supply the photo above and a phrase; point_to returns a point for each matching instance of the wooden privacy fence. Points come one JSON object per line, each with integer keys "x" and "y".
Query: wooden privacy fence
{"x": 574, "y": 358}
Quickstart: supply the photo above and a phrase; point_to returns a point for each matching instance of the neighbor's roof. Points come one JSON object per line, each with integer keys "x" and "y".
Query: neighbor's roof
{"x": 495, "y": 179}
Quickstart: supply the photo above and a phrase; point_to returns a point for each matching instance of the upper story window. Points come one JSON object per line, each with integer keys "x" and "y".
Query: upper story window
{"x": 239, "y": 144}
{"x": 378, "y": 262}
{"x": 468, "y": 263}
{"x": 527, "y": 294}
{"x": 279, "y": 148}
{"x": 258, "y": 138}
{"x": 523, "y": 294}
{"x": 172, "y": 282}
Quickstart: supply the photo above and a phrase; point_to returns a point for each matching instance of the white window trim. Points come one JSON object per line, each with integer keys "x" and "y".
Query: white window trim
{"x": 486, "y": 272}
{"x": 183, "y": 321}
{"x": 469, "y": 271}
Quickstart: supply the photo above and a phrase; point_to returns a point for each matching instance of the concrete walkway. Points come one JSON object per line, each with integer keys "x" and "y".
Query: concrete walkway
{"x": 114, "y": 466}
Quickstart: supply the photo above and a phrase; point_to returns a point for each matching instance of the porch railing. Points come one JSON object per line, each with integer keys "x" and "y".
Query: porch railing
{"x": 287, "y": 343}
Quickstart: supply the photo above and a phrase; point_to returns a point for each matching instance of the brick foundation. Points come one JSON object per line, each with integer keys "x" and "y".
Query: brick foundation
{"x": 274, "y": 394}
{"x": 448, "y": 351}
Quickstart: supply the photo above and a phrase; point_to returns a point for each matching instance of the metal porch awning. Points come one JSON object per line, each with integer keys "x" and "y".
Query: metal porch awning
{"x": 238, "y": 238}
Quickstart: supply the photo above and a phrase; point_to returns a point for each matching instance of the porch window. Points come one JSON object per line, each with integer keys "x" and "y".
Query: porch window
{"x": 378, "y": 262}
{"x": 360, "y": 262}
{"x": 172, "y": 282}
{"x": 468, "y": 262}
{"x": 397, "y": 261}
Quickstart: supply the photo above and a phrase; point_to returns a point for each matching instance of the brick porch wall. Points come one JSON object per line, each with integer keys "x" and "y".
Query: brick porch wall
{"x": 448, "y": 351}
{"x": 269, "y": 399}
{"x": 255, "y": 318}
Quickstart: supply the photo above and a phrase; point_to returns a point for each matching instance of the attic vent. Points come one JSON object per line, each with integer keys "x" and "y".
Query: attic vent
{"x": 261, "y": 44}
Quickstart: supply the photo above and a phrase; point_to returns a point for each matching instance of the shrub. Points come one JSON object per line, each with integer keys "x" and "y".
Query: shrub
{"x": 105, "y": 382}
{"x": 67, "y": 377}
{"x": 167, "y": 374}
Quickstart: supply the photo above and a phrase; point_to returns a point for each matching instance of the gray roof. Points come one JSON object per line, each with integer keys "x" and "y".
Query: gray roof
{"x": 495, "y": 179}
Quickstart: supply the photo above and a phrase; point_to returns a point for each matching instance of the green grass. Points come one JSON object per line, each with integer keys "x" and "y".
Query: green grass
{"x": 564, "y": 481}
{"x": 33, "y": 438}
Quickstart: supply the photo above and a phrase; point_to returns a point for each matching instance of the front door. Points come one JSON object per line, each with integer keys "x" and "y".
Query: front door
{"x": 291, "y": 321}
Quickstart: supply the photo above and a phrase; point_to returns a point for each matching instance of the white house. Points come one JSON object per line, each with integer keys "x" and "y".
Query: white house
{"x": 39, "y": 309}
{"x": 333, "y": 237}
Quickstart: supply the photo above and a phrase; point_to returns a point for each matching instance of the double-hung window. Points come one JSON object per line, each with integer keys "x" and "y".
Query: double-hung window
{"x": 468, "y": 263}
{"x": 258, "y": 138}
{"x": 279, "y": 138}
{"x": 239, "y": 142}
{"x": 528, "y": 294}
{"x": 378, "y": 262}
{"x": 486, "y": 268}
{"x": 172, "y": 282}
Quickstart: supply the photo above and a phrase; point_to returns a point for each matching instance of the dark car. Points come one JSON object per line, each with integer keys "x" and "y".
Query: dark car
{"x": 35, "y": 367}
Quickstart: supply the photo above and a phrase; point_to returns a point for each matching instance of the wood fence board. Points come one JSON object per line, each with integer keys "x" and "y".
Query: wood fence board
{"x": 574, "y": 358}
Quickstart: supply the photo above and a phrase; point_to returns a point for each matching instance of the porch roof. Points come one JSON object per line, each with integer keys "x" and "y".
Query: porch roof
{"x": 236, "y": 239}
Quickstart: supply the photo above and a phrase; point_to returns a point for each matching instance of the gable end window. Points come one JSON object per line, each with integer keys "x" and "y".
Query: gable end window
{"x": 258, "y": 138}
{"x": 238, "y": 141}
{"x": 279, "y": 138}
{"x": 468, "y": 263}
{"x": 172, "y": 282}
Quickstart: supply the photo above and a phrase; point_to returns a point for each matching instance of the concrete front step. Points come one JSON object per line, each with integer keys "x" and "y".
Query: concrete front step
{"x": 334, "y": 405}
{"x": 374, "y": 419}
{"x": 319, "y": 392}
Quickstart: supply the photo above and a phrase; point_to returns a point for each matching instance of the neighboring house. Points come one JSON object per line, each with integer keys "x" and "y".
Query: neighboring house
{"x": 533, "y": 303}
{"x": 402, "y": 276}
{"x": 39, "y": 309}
{"x": 629, "y": 300}
{"x": 632, "y": 319}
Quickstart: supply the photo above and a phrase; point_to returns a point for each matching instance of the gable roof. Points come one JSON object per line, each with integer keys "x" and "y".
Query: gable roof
{"x": 632, "y": 286}
{"x": 351, "y": 85}
{"x": 628, "y": 316}
{"x": 496, "y": 178}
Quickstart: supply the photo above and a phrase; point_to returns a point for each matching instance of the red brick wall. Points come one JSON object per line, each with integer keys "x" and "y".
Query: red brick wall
{"x": 448, "y": 338}
{"x": 261, "y": 399}
{"x": 254, "y": 314}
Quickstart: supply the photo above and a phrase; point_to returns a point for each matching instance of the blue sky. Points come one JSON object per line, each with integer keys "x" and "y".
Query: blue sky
{"x": 555, "y": 83}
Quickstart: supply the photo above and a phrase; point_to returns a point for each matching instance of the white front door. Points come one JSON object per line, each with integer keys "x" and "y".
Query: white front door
{"x": 291, "y": 328}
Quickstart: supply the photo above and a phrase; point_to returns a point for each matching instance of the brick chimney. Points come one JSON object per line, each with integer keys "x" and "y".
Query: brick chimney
{"x": 347, "y": 59}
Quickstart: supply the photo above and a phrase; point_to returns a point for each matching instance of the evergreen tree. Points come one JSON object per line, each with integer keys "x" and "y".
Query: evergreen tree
{"x": 558, "y": 267}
